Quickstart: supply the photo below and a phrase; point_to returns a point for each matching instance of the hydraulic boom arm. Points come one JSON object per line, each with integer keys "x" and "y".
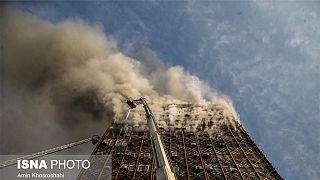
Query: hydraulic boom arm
{"x": 163, "y": 171}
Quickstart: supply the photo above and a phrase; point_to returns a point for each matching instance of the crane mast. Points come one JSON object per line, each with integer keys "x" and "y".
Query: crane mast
{"x": 163, "y": 171}
{"x": 94, "y": 139}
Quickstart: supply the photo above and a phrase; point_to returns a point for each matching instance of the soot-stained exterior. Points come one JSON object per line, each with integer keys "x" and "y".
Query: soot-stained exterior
{"x": 194, "y": 150}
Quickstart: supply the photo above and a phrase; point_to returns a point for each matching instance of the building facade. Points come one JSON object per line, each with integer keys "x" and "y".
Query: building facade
{"x": 200, "y": 144}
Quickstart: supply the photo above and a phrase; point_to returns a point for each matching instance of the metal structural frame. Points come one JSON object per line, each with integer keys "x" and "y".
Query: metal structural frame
{"x": 228, "y": 154}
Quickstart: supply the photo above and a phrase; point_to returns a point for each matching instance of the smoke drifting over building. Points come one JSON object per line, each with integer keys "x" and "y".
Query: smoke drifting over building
{"x": 82, "y": 72}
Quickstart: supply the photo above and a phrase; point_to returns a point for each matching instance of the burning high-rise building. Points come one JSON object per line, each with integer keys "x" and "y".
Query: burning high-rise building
{"x": 200, "y": 143}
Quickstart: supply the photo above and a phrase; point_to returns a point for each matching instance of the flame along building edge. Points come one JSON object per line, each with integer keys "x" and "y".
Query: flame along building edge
{"x": 211, "y": 148}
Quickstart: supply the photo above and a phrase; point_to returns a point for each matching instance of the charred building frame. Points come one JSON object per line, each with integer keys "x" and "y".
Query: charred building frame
{"x": 211, "y": 149}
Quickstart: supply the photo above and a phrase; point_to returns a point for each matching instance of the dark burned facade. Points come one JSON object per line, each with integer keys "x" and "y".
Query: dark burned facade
{"x": 226, "y": 153}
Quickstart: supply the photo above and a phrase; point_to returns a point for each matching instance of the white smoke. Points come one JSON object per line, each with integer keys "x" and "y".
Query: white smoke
{"x": 86, "y": 76}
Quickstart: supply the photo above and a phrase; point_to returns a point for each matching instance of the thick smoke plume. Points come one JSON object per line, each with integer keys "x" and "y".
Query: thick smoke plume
{"x": 82, "y": 74}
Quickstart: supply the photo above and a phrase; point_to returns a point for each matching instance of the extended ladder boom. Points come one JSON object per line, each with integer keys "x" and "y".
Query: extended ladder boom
{"x": 163, "y": 171}
{"x": 93, "y": 139}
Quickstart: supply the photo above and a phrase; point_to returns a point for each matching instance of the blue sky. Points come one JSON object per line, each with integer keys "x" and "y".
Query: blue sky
{"x": 264, "y": 55}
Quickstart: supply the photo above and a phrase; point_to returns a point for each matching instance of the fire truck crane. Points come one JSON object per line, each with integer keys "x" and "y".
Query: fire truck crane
{"x": 163, "y": 171}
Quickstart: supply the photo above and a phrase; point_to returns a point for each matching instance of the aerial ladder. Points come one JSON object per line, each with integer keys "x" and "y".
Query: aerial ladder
{"x": 94, "y": 139}
{"x": 163, "y": 171}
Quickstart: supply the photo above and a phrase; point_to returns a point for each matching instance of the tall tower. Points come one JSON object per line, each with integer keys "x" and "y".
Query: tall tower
{"x": 201, "y": 142}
